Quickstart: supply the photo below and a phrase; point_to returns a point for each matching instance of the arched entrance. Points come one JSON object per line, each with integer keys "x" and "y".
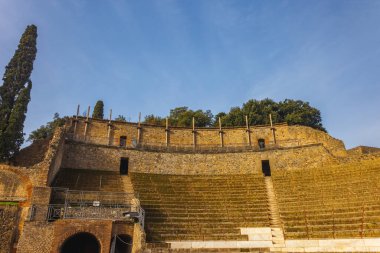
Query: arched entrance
{"x": 81, "y": 243}
{"x": 121, "y": 244}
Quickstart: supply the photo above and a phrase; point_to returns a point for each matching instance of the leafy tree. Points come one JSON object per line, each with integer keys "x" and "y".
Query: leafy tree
{"x": 301, "y": 113}
{"x": 154, "y": 120}
{"x": 234, "y": 118}
{"x": 47, "y": 131}
{"x": 182, "y": 116}
{"x": 290, "y": 111}
{"x": 98, "y": 112}
{"x": 120, "y": 118}
{"x": 15, "y": 93}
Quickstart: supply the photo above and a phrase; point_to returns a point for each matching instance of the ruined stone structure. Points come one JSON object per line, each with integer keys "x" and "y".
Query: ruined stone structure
{"x": 102, "y": 185}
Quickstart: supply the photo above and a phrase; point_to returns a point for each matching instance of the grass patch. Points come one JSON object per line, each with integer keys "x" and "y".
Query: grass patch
{"x": 8, "y": 203}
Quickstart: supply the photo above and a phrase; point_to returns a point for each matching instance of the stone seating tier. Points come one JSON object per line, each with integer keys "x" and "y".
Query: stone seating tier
{"x": 329, "y": 202}
{"x": 201, "y": 207}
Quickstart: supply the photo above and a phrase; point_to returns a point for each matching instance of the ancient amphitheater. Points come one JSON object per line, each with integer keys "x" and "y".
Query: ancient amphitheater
{"x": 107, "y": 186}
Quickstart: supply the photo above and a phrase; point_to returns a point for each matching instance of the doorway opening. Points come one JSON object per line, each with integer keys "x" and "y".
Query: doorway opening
{"x": 121, "y": 244}
{"x": 124, "y": 166}
{"x": 265, "y": 167}
{"x": 81, "y": 243}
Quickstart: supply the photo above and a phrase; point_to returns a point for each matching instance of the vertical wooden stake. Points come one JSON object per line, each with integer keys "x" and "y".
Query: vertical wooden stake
{"x": 272, "y": 128}
{"x": 194, "y": 135}
{"x": 248, "y": 130}
{"x": 139, "y": 129}
{"x": 221, "y": 133}
{"x": 76, "y": 121}
{"x": 167, "y": 131}
{"x": 87, "y": 122}
{"x": 270, "y": 120}
{"x": 109, "y": 128}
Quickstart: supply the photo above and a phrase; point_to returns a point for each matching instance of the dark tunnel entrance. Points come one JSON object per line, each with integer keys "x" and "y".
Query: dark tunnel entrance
{"x": 81, "y": 243}
{"x": 121, "y": 244}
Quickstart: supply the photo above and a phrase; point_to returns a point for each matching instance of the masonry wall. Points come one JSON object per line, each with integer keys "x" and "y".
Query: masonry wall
{"x": 9, "y": 216}
{"x": 36, "y": 237}
{"x": 87, "y": 156}
{"x": 99, "y": 130}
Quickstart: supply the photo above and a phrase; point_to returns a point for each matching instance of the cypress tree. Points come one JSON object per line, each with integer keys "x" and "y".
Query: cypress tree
{"x": 16, "y": 80}
{"x": 14, "y": 131}
{"x": 98, "y": 110}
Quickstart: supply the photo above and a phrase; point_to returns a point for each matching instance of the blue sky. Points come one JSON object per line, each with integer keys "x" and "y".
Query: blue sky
{"x": 151, "y": 56}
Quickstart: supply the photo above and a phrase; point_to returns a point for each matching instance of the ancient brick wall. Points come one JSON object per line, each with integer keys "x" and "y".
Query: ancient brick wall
{"x": 97, "y": 132}
{"x": 9, "y": 216}
{"x": 87, "y": 156}
{"x": 11, "y": 185}
{"x": 36, "y": 237}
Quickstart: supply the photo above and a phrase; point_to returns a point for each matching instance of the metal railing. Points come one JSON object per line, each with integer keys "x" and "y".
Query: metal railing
{"x": 95, "y": 210}
{"x": 72, "y": 204}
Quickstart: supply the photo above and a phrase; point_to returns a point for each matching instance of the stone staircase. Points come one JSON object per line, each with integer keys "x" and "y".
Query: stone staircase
{"x": 127, "y": 184}
{"x": 275, "y": 219}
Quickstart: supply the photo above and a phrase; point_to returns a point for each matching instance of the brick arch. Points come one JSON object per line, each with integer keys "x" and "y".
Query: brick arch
{"x": 73, "y": 234}
{"x": 63, "y": 229}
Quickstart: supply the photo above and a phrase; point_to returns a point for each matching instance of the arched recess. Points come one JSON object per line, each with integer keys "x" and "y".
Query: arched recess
{"x": 121, "y": 243}
{"x": 82, "y": 242}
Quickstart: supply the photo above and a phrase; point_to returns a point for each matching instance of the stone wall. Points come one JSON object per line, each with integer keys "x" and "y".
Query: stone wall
{"x": 98, "y": 157}
{"x": 9, "y": 216}
{"x": 286, "y": 136}
{"x": 11, "y": 185}
{"x": 36, "y": 237}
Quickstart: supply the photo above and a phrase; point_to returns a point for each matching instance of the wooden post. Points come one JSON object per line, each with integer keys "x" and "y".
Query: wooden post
{"x": 76, "y": 121}
{"x": 167, "y": 131}
{"x": 109, "y": 128}
{"x": 248, "y": 130}
{"x": 221, "y": 133}
{"x": 139, "y": 129}
{"x": 272, "y": 128}
{"x": 87, "y": 122}
{"x": 194, "y": 134}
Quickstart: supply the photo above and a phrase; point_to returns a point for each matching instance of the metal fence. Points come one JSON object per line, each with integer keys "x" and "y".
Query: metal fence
{"x": 70, "y": 204}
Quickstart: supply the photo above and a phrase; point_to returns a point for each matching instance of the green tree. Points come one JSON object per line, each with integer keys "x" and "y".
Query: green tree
{"x": 290, "y": 111}
{"x": 121, "y": 118}
{"x": 16, "y": 85}
{"x": 297, "y": 112}
{"x": 98, "y": 112}
{"x": 183, "y": 116}
{"x": 14, "y": 135}
{"x": 154, "y": 120}
{"x": 234, "y": 118}
{"x": 47, "y": 131}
